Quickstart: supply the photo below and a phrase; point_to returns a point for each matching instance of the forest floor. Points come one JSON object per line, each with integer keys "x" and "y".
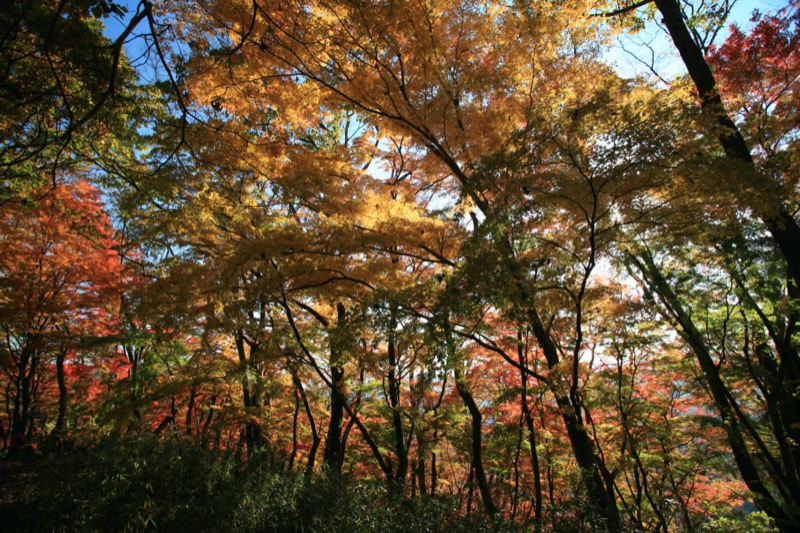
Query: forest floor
{"x": 17, "y": 483}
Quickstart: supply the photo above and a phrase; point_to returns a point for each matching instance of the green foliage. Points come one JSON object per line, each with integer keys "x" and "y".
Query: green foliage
{"x": 144, "y": 483}
{"x": 61, "y": 74}
{"x": 757, "y": 522}
{"x": 133, "y": 485}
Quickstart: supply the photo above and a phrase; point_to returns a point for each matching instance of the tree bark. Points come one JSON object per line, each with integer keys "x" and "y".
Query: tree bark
{"x": 252, "y": 429}
{"x": 537, "y": 475}
{"x": 21, "y": 420}
{"x": 394, "y": 402}
{"x": 61, "y": 422}
{"x": 315, "y": 438}
{"x": 334, "y": 454}
{"x": 190, "y": 409}
{"x": 600, "y": 495}
{"x": 477, "y": 452}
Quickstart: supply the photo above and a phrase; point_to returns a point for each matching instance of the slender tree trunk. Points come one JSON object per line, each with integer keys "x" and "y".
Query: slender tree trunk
{"x": 134, "y": 355}
{"x": 420, "y": 469}
{"x": 470, "y": 485}
{"x": 334, "y": 453}
{"x": 252, "y": 429}
{"x": 477, "y": 452}
{"x": 434, "y": 470}
{"x": 315, "y": 438}
{"x": 61, "y": 422}
{"x": 295, "y": 419}
{"x": 21, "y": 419}
{"x": 190, "y": 409}
{"x": 169, "y": 419}
{"x": 517, "y": 452}
{"x": 17, "y": 430}
{"x": 601, "y": 496}
{"x": 207, "y": 422}
{"x": 537, "y": 475}
{"x": 398, "y": 485}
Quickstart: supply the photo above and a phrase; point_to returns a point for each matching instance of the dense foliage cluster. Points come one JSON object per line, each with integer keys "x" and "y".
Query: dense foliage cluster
{"x": 399, "y": 265}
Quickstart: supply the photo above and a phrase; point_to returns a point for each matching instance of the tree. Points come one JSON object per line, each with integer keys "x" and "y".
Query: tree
{"x": 419, "y": 241}
{"x": 761, "y": 193}
{"x": 61, "y": 78}
{"x": 60, "y": 282}
{"x": 763, "y": 99}
{"x": 752, "y": 222}
{"x": 455, "y": 81}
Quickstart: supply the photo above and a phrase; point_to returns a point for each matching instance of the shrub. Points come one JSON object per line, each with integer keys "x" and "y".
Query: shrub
{"x": 145, "y": 483}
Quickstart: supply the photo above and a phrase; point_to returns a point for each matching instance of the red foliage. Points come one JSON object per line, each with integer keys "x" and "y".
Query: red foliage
{"x": 60, "y": 283}
{"x": 60, "y": 270}
{"x": 758, "y": 74}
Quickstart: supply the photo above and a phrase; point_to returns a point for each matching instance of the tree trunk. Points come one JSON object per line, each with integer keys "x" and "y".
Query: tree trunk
{"x": 398, "y": 485}
{"x": 315, "y": 438}
{"x": 334, "y": 453}
{"x": 434, "y": 468}
{"x": 21, "y": 419}
{"x": 470, "y": 485}
{"x": 600, "y": 495}
{"x": 526, "y": 412}
{"x": 61, "y": 421}
{"x": 190, "y": 409}
{"x": 295, "y": 419}
{"x": 420, "y": 470}
{"x": 252, "y": 430}
{"x": 207, "y": 423}
{"x": 477, "y": 453}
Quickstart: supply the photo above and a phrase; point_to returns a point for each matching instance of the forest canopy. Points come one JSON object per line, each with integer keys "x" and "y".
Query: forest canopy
{"x": 447, "y": 249}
